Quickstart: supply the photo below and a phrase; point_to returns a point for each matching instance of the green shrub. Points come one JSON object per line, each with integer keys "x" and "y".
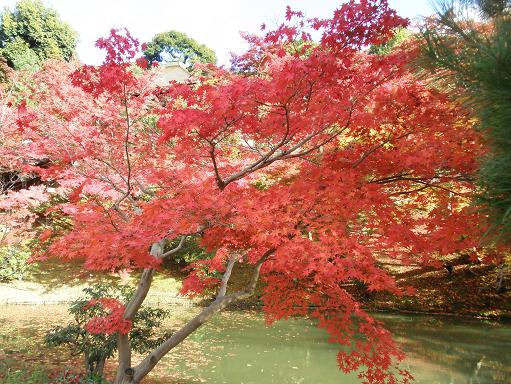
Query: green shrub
{"x": 97, "y": 348}
{"x": 13, "y": 263}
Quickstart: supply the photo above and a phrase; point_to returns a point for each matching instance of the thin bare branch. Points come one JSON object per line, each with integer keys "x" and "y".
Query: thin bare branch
{"x": 381, "y": 145}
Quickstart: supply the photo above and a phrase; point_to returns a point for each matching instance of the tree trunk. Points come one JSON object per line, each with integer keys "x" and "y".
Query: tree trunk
{"x": 157, "y": 354}
{"x": 124, "y": 369}
{"x": 100, "y": 367}
{"x": 133, "y": 375}
{"x": 124, "y": 359}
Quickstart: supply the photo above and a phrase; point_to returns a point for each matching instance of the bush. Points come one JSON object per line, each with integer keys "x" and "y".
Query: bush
{"x": 13, "y": 263}
{"x": 190, "y": 251}
{"x": 97, "y": 348}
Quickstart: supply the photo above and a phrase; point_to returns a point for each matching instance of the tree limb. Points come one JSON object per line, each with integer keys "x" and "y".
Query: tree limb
{"x": 146, "y": 365}
{"x": 226, "y": 276}
{"x": 174, "y": 250}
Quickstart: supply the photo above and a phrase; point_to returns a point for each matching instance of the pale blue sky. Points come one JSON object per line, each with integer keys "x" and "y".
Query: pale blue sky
{"x": 215, "y": 23}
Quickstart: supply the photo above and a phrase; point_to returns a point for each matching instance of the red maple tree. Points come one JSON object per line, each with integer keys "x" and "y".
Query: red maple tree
{"x": 307, "y": 160}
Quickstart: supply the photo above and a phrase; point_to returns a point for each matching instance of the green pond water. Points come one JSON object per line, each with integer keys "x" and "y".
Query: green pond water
{"x": 237, "y": 348}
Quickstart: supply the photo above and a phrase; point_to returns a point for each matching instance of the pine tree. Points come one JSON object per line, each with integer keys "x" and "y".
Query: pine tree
{"x": 474, "y": 58}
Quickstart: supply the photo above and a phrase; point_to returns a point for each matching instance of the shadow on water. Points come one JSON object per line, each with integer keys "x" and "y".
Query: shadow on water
{"x": 447, "y": 350}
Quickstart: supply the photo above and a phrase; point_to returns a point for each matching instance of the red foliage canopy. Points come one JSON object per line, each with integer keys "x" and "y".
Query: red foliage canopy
{"x": 320, "y": 155}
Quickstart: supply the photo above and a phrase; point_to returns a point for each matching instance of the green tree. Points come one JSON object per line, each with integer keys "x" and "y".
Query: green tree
{"x": 32, "y": 33}
{"x": 177, "y": 46}
{"x": 474, "y": 59}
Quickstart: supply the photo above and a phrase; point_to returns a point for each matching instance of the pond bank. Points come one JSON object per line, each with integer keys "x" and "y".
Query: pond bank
{"x": 466, "y": 292}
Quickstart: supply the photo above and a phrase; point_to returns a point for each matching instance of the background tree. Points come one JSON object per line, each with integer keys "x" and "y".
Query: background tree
{"x": 488, "y": 8}
{"x": 400, "y": 36}
{"x": 177, "y": 46}
{"x": 31, "y": 33}
{"x": 306, "y": 169}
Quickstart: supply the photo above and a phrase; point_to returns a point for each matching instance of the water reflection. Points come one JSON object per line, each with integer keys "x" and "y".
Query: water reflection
{"x": 239, "y": 348}
{"x": 442, "y": 350}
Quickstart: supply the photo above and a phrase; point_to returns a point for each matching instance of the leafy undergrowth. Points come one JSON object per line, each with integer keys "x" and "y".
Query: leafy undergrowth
{"x": 24, "y": 358}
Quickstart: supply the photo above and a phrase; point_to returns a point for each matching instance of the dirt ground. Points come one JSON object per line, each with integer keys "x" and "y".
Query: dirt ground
{"x": 468, "y": 290}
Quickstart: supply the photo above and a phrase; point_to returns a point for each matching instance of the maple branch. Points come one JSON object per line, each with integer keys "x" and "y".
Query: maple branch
{"x": 221, "y": 184}
{"x": 174, "y": 250}
{"x": 145, "y": 190}
{"x": 110, "y": 217}
{"x": 271, "y": 156}
{"x": 146, "y": 365}
{"x": 250, "y": 290}
{"x": 381, "y": 145}
{"x": 324, "y": 142}
{"x": 144, "y": 283}
{"x": 140, "y": 293}
{"x": 410, "y": 191}
{"x": 112, "y": 167}
{"x": 404, "y": 177}
{"x": 389, "y": 179}
{"x": 252, "y": 148}
{"x": 268, "y": 158}
{"x": 127, "y": 153}
{"x": 226, "y": 276}
{"x": 126, "y": 140}
{"x": 427, "y": 184}
{"x": 260, "y": 163}
{"x": 121, "y": 213}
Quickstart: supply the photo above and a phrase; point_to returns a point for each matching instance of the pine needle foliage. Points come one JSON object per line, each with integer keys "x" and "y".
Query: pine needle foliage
{"x": 468, "y": 46}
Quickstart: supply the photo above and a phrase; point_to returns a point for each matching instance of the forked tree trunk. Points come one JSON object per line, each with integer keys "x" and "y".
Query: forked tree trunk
{"x": 127, "y": 374}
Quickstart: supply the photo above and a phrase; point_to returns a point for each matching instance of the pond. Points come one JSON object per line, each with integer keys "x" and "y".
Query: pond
{"x": 238, "y": 348}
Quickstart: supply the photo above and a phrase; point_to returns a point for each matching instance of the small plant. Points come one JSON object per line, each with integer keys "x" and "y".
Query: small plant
{"x": 97, "y": 348}
{"x": 69, "y": 376}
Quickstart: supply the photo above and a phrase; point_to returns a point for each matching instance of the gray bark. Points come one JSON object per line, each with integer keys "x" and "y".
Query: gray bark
{"x": 133, "y": 375}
